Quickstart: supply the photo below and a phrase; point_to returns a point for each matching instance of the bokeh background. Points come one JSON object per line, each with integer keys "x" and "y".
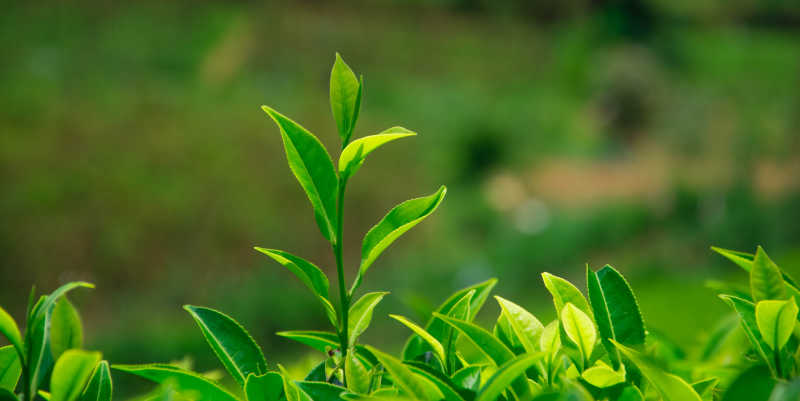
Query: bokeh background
{"x": 133, "y": 154}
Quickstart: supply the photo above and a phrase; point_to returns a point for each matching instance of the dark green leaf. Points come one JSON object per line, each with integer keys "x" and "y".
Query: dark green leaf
{"x": 313, "y": 168}
{"x": 754, "y": 383}
{"x": 317, "y": 373}
{"x": 669, "y": 386}
{"x": 100, "y": 386}
{"x": 183, "y": 379}
{"x": 66, "y": 331}
{"x": 399, "y": 220}
{"x": 71, "y": 373}
{"x": 345, "y": 93}
{"x": 321, "y": 391}
{"x": 233, "y": 345}
{"x": 266, "y": 387}
{"x": 6, "y": 395}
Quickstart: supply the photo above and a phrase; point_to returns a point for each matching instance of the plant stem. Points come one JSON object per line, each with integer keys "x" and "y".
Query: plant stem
{"x": 344, "y": 299}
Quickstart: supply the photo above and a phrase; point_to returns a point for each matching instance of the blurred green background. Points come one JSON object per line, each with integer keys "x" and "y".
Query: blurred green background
{"x": 637, "y": 133}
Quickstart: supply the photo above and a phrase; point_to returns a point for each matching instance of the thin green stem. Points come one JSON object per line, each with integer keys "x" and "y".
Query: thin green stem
{"x": 344, "y": 299}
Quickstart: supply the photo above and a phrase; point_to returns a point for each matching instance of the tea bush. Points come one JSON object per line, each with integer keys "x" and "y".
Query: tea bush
{"x": 597, "y": 348}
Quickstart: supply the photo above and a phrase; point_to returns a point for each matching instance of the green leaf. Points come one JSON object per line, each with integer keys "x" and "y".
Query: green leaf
{"x": 412, "y": 384}
{"x": 185, "y": 380}
{"x": 317, "y": 373}
{"x": 38, "y": 333}
{"x": 527, "y": 327}
{"x": 321, "y": 391}
{"x": 602, "y": 376}
{"x": 232, "y": 344}
{"x": 754, "y": 383}
{"x": 415, "y": 346}
{"x": 468, "y": 377}
{"x": 6, "y": 395}
{"x": 399, "y": 220}
{"x": 70, "y": 374}
{"x": 564, "y": 292}
{"x": 66, "y": 331}
{"x": 630, "y": 393}
{"x": 669, "y": 386}
{"x": 10, "y": 367}
{"x": 747, "y": 316}
{"x": 357, "y": 375}
{"x": 9, "y": 328}
{"x": 100, "y": 386}
{"x": 345, "y": 95}
{"x": 311, "y": 164}
{"x": 505, "y": 375}
{"x": 766, "y": 281}
{"x": 319, "y": 340}
{"x": 266, "y": 387}
{"x": 706, "y": 388}
{"x": 361, "y": 314}
{"x": 743, "y": 259}
{"x": 311, "y": 275}
{"x": 615, "y": 310}
{"x": 776, "y": 321}
{"x": 355, "y": 153}
{"x": 550, "y": 341}
{"x": 484, "y": 340}
{"x": 437, "y": 347}
{"x": 442, "y": 382}
{"x": 579, "y": 328}
{"x": 290, "y": 389}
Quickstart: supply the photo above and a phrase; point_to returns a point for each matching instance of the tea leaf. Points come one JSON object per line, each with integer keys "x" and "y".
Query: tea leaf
{"x": 747, "y": 316}
{"x": 266, "y": 387}
{"x": 66, "y": 331}
{"x": 399, "y": 220}
{"x": 602, "y": 376}
{"x": 615, "y": 310}
{"x": 550, "y": 340}
{"x": 355, "y": 153}
{"x": 669, "y": 386}
{"x": 100, "y": 386}
{"x": 311, "y": 275}
{"x": 317, "y": 373}
{"x": 766, "y": 281}
{"x": 232, "y": 344}
{"x": 311, "y": 164}
{"x": 745, "y": 261}
{"x": 10, "y": 368}
{"x": 70, "y": 374}
{"x": 427, "y": 337}
{"x": 505, "y": 375}
{"x": 485, "y": 341}
{"x": 776, "y": 321}
{"x": 564, "y": 292}
{"x": 442, "y": 382}
{"x": 356, "y": 374}
{"x": 321, "y": 391}
{"x": 290, "y": 389}
{"x": 9, "y": 328}
{"x": 319, "y": 340}
{"x": 527, "y": 327}
{"x": 185, "y": 380}
{"x": 412, "y": 384}
{"x": 468, "y": 377}
{"x": 579, "y": 328}
{"x": 754, "y": 383}
{"x": 346, "y": 92}
{"x": 6, "y": 395}
{"x": 361, "y": 314}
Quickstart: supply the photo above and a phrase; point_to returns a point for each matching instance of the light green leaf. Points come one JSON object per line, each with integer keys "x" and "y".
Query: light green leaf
{"x": 442, "y": 382}
{"x": 10, "y": 368}
{"x": 266, "y": 387}
{"x": 615, "y": 310}
{"x": 630, "y": 393}
{"x": 100, "y": 386}
{"x": 564, "y": 292}
{"x": 484, "y": 340}
{"x": 602, "y": 376}
{"x": 550, "y": 341}
{"x": 345, "y": 93}
{"x": 437, "y": 347}
{"x": 361, "y": 314}
{"x": 66, "y": 331}
{"x": 355, "y": 153}
{"x": 505, "y": 375}
{"x": 745, "y": 261}
{"x": 311, "y": 164}
{"x": 747, "y": 316}
{"x": 468, "y": 377}
{"x": 527, "y": 327}
{"x": 356, "y": 374}
{"x": 70, "y": 374}
{"x": 412, "y": 384}
{"x": 321, "y": 391}
{"x": 9, "y": 328}
{"x": 399, "y": 220}
{"x": 766, "y": 281}
{"x": 776, "y": 321}
{"x": 185, "y": 380}
{"x": 669, "y": 386}
{"x": 706, "y": 388}
{"x": 319, "y": 340}
{"x": 579, "y": 328}
{"x": 290, "y": 389}
{"x": 232, "y": 344}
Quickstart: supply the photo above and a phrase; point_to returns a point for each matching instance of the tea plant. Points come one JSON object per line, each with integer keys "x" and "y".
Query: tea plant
{"x": 596, "y": 348}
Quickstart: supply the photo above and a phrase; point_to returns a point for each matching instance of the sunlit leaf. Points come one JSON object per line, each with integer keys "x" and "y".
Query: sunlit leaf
{"x": 71, "y": 373}
{"x": 345, "y": 96}
{"x": 602, "y": 376}
{"x": 361, "y": 314}
{"x": 670, "y": 387}
{"x": 356, "y": 152}
{"x": 766, "y": 281}
{"x": 564, "y": 292}
{"x": 66, "y": 331}
{"x": 505, "y": 375}
{"x": 10, "y": 368}
{"x": 579, "y": 328}
{"x": 412, "y": 384}
{"x": 437, "y": 347}
{"x": 184, "y": 380}
{"x": 100, "y": 386}
{"x": 776, "y": 321}
{"x": 527, "y": 327}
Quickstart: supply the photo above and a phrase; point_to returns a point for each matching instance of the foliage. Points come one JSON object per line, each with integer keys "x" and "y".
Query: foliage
{"x": 597, "y": 347}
